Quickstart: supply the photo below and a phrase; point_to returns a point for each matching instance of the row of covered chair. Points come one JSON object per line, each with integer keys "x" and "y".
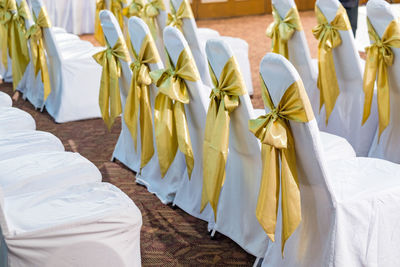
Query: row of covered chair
{"x": 54, "y": 209}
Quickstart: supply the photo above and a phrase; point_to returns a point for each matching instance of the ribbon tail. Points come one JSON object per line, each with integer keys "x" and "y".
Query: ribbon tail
{"x": 146, "y": 127}
{"x": 104, "y": 96}
{"x": 19, "y": 55}
{"x": 383, "y": 97}
{"x": 371, "y": 68}
{"x": 98, "y": 32}
{"x": 42, "y": 62}
{"x": 131, "y": 112}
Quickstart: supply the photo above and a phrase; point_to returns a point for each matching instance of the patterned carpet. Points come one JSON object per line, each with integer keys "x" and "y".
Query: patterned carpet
{"x": 169, "y": 237}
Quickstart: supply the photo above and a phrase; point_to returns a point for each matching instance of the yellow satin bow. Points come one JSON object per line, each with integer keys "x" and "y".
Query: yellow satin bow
{"x": 17, "y": 42}
{"x": 175, "y": 17}
{"x": 276, "y": 137}
{"x": 379, "y": 57}
{"x": 152, "y": 10}
{"x": 5, "y": 16}
{"x": 98, "y": 30}
{"x": 224, "y": 100}
{"x": 39, "y": 61}
{"x": 109, "y": 96}
{"x": 329, "y": 38}
{"x": 135, "y": 8}
{"x": 171, "y": 126}
{"x": 116, "y": 8}
{"x": 282, "y": 30}
{"x": 139, "y": 99}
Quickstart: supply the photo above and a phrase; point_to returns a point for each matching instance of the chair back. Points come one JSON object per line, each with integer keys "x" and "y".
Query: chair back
{"x": 317, "y": 201}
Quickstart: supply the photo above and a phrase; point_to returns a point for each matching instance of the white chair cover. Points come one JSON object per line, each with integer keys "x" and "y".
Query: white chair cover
{"x": 27, "y": 142}
{"x": 188, "y": 196}
{"x": 299, "y": 56}
{"x": 45, "y": 170}
{"x": 348, "y": 206}
{"x": 14, "y": 119}
{"x": 93, "y": 224}
{"x": 236, "y": 216}
{"x": 380, "y": 13}
{"x": 75, "y": 80}
{"x": 346, "y": 117}
{"x": 5, "y": 100}
{"x": 165, "y": 188}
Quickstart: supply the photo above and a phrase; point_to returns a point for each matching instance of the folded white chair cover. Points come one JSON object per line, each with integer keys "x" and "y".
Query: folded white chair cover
{"x": 299, "y": 56}
{"x": 348, "y": 206}
{"x": 27, "y": 142}
{"x": 164, "y": 187}
{"x": 188, "y": 196}
{"x": 5, "y": 100}
{"x": 346, "y": 117}
{"x": 92, "y": 224}
{"x": 380, "y": 14}
{"x": 45, "y": 170}
{"x": 14, "y": 119}
{"x": 75, "y": 80}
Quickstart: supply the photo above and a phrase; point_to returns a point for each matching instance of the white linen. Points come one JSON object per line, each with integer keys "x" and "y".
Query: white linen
{"x": 188, "y": 196}
{"x": 27, "y": 142}
{"x": 14, "y": 119}
{"x": 165, "y": 187}
{"x": 348, "y": 206}
{"x": 75, "y": 80}
{"x": 39, "y": 171}
{"x": 5, "y": 100}
{"x": 346, "y": 117}
{"x": 92, "y": 224}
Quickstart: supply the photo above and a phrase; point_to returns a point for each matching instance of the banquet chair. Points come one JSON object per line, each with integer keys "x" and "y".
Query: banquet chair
{"x": 299, "y": 55}
{"x": 188, "y": 196}
{"x": 165, "y": 187}
{"x": 92, "y": 224}
{"x": 39, "y": 171}
{"x": 346, "y": 117}
{"x": 348, "y": 207}
{"x": 69, "y": 72}
{"x": 15, "y": 144}
{"x": 380, "y": 14}
{"x": 5, "y": 100}
{"x": 14, "y": 119}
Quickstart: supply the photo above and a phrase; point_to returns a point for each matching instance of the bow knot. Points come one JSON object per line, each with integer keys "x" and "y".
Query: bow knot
{"x": 175, "y": 18}
{"x": 134, "y": 9}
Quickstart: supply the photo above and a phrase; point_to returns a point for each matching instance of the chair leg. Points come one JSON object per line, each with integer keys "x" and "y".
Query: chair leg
{"x": 258, "y": 262}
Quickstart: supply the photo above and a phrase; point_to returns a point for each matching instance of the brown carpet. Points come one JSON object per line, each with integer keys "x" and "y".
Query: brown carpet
{"x": 169, "y": 237}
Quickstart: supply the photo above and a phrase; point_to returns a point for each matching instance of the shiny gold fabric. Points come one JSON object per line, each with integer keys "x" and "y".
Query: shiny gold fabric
{"x": 151, "y": 11}
{"x": 39, "y": 61}
{"x": 109, "y": 96}
{"x": 135, "y": 8}
{"x": 175, "y": 17}
{"x": 171, "y": 126}
{"x": 116, "y": 8}
{"x": 17, "y": 42}
{"x": 379, "y": 57}
{"x": 98, "y": 30}
{"x": 282, "y": 30}
{"x": 139, "y": 99}
{"x": 224, "y": 100}
{"x": 329, "y": 38}
{"x": 4, "y": 16}
{"x": 276, "y": 137}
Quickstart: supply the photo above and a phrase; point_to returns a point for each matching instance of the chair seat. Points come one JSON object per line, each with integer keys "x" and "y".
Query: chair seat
{"x": 336, "y": 147}
{"x": 45, "y": 170}
{"x": 26, "y": 142}
{"x": 5, "y": 100}
{"x": 14, "y": 119}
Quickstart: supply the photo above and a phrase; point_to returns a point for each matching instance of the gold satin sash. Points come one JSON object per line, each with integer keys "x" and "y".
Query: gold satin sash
{"x": 224, "y": 100}
{"x": 151, "y": 11}
{"x": 39, "y": 60}
{"x": 4, "y": 16}
{"x": 379, "y": 57}
{"x": 329, "y": 38}
{"x": 98, "y": 30}
{"x": 276, "y": 137}
{"x": 175, "y": 17}
{"x": 171, "y": 126}
{"x": 282, "y": 30}
{"x": 139, "y": 99}
{"x": 109, "y": 96}
{"x": 17, "y": 42}
{"x": 116, "y": 8}
{"x": 135, "y": 8}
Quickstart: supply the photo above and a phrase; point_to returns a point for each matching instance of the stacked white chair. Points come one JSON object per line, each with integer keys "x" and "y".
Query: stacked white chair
{"x": 380, "y": 15}
{"x": 347, "y": 206}
{"x": 346, "y": 117}
{"x": 93, "y": 224}
{"x": 75, "y": 79}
